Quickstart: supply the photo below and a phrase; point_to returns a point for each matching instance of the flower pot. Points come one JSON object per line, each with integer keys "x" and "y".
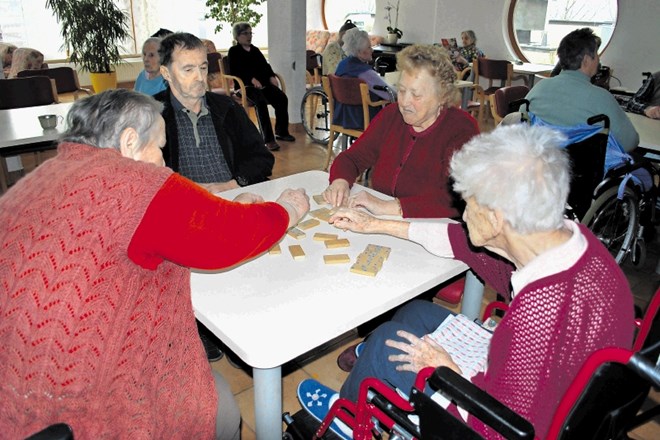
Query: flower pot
{"x": 103, "y": 81}
{"x": 391, "y": 38}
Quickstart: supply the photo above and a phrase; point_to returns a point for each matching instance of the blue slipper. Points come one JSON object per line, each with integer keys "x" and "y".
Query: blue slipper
{"x": 317, "y": 399}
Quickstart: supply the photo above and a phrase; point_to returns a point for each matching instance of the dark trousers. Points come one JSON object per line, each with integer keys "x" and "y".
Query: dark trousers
{"x": 274, "y": 96}
{"x": 417, "y": 317}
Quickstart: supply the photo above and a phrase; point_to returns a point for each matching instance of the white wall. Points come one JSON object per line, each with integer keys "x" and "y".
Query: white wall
{"x": 634, "y": 48}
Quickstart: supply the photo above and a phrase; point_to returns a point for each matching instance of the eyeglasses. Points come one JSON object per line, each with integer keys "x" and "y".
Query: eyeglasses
{"x": 246, "y": 33}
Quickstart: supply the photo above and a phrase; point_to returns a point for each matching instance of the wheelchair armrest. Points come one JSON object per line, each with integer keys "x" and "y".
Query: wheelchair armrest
{"x": 480, "y": 404}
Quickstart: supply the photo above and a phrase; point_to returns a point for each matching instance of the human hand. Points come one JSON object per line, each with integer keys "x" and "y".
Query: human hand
{"x": 274, "y": 81}
{"x": 296, "y": 203}
{"x": 248, "y": 198}
{"x": 653, "y": 112}
{"x": 354, "y": 220}
{"x": 419, "y": 353}
{"x": 373, "y": 204}
{"x": 217, "y": 187}
{"x": 337, "y": 193}
{"x": 256, "y": 83}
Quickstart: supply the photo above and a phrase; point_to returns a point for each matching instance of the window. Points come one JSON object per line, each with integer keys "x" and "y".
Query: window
{"x": 24, "y": 24}
{"x": 537, "y": 26}
{"x": 360, "y": 12}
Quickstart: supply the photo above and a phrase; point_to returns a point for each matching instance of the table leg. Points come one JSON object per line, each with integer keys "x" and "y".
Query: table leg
{"x": 472, "y": 296}
{"x": 268, "y": 402}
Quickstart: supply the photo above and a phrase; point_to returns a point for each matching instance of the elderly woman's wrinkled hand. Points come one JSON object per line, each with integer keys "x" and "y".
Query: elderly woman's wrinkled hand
{"x": 248, "y": 198}
{"x": 296, "y": 202}
{"x": 419, "y": 353}
{"x": 337, "y": 193}
{"x": 373, "y": 204}
{"x": 350, "y": 219}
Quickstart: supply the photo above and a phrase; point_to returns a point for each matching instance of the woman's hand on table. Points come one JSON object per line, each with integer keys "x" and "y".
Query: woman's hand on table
{"x": 296, "y": 203}
{"x": 373, "y": 204}
{"x": 337, "y": 193}
{"x": 354, "y": 220}
{"x": 248, "y": 198}
{"x": 418, "y": 353}
{"x": 217, "y": 187}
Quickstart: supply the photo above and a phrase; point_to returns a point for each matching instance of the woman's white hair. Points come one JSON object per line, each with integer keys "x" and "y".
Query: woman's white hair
{"x": 354, "y": 41}
{"x": 519, "y": 170}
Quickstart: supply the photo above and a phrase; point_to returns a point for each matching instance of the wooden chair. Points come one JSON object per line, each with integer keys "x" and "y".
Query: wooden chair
{"x": 313, "y": 73}
{"x": 347, "y": 91}
{"x": 66, "y": 81}
{"x": 27, "y": 92}
{"x": 502, "y": 98}
{"x": 491, "y": 70}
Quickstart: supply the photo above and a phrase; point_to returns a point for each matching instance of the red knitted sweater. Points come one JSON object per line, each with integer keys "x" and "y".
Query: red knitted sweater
{"x": 552, "y": 326}
{"x": 91, "y": 338}
{"x": 414, "y": 167}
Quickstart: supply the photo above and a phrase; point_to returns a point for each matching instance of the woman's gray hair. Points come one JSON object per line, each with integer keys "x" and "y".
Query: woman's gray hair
{"x": 152, "y": 40}
{"x": 99, "y": 120}
{"x": 436, "y": 61}
{"x": 471, "y": 35}
{"x": 239, "y": 27}
{"x": 355, "y": 40}
{"x": 518, "y": 170}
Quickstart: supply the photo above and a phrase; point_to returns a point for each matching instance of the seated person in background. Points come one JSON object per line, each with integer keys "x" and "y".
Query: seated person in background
{"x": 262, "y": 87}
{"x": 333, "y": 53}
{"x": 469, "y": 52}
{"x": 150, "y": 81}
{"x": 358, "y": 48}
{"x": 209, "y": 138}
{"x": 104, "y": 337}
{"x": 569, "y": 298}
{"x": 408, "y": 145}
{"x": 569, "y": 98}
{"x": 647, "y": 99}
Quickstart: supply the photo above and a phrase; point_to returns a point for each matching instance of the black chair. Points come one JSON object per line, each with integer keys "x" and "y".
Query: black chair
{"x": 27, "y": 92}
{"x": 66, "y": 80}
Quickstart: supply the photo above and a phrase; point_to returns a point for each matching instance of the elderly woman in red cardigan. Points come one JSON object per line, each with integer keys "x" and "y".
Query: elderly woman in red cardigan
{"x": 96, "y": 319}
{"x": 408, "y": 145}
{"x": 568, "y": 296}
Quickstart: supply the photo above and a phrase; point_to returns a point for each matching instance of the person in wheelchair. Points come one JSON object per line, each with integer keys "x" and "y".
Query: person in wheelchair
{"x": 568, "y": 297}
{"x": 408, "y": 145}
{"x": 570, "y": 98}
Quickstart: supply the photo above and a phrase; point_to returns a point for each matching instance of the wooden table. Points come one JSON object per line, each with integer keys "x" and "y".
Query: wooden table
{"x": 20, "y": 132}
{"x": 649, "y": 131}
{"x": 273, "y": 308}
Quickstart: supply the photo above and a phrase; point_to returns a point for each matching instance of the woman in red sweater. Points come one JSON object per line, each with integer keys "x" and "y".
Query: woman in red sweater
{"x": 97, "y": 325}
{"x": 569, "y": 298}
{"x": 408, "y": 146}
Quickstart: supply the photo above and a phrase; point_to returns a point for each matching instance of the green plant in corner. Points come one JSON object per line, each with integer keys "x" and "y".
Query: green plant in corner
{"x": 233, "y": 11}
{"x": 393, "y": 29}
{"x": 93, "y": 31}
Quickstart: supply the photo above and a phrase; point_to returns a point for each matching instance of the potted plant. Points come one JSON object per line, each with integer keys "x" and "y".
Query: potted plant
{"x": 93, "y": 31}
{"x": 233, "y": 11}
{"x": 393, "y": 32}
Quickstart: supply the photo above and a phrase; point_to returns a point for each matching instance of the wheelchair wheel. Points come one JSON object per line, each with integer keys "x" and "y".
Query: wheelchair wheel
{"x": 314, "y": 114}
{"x": 614, "y": 221}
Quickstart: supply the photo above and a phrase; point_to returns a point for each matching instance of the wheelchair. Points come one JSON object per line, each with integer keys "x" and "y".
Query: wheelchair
{"x": 315, "y": 113}
{"x": 602, "y": 402}
{"x": 611, "y": 193}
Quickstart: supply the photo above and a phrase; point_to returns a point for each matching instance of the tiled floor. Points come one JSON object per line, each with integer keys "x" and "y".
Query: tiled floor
{"x": 303, "y": 155}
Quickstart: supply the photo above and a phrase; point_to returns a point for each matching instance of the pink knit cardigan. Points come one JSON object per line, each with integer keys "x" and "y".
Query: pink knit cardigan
{"x": 552, "y": 326}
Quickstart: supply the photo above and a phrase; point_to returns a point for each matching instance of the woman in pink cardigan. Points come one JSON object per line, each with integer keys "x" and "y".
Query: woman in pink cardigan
{"x": 96, "y": 322}
{"x": 568, "y": 296}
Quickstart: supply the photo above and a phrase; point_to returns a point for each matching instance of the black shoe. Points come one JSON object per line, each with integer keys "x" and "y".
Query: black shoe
{"x": 213, "y": 352}
{"x": 285, "y": 138}
{"x": 272, "y": 146}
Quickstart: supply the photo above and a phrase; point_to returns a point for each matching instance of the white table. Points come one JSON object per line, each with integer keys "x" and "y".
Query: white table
{"x": 273, "y": 309}
{"x": 20, "y": 132}
{"x": 649, "y": 131}
{"x": 531, "y": 70}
